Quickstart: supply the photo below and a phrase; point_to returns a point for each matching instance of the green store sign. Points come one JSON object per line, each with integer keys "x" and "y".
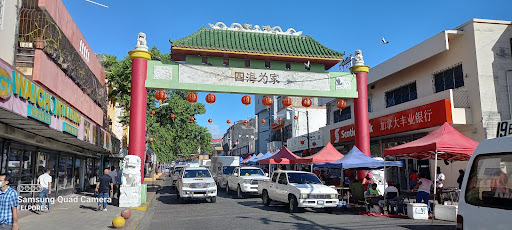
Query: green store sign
{"x": 38, "y": 114}
{"x": 67, "y": 128}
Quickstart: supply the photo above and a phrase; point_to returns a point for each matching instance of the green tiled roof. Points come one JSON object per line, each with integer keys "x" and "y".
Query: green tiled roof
{"x": 258, "y": 43}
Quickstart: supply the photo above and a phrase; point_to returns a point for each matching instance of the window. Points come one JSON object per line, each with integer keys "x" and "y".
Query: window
{"x": 267, "y": 64}
{"x": 274, "y": 177}
{"x": 488, "y": 182}
{"x": 282, "y": 179}
{"x": 449, "y": 79}
{"x": 204, "y": 60}
{"x": 401, "y": 95}
{"x": 345, "y": 114}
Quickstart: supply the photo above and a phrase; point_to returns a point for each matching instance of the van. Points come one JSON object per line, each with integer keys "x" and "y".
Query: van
{"x": 486, "y": 194}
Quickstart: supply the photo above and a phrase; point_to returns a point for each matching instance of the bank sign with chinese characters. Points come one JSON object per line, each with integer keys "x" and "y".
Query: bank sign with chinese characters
{"x": 425, "y": 116}
{"x": 250, "y": 81}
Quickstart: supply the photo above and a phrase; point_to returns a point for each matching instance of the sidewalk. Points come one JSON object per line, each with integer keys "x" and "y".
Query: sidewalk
{"x": 82, "y": 215}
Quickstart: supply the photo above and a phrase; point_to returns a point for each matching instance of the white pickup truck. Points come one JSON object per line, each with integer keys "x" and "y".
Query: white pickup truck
{"x": 245, "y": 180}
{"x": 196, "y": 183}
{"x": 299, "y": 190}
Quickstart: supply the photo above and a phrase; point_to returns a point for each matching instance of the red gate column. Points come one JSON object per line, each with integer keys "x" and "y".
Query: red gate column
{"x": 361, "y": 121}
{"x": 137, "y": 144}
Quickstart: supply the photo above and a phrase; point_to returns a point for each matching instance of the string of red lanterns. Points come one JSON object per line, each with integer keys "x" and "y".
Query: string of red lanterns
{"x": 306, "y": 102}
{"x": 267, "y": 101}
{"x": 341, "y": 104}
{"x": 263, "y": 121}
{"x": 280, "y": 120}
{"x": 287, "y": 101}
{"x": 160, "y": 95}
{"x": 246, "y": 122}
{"x": 210, "y": 120}
{"x": 210, "y": 98}
{"x": 192, "y": 119}
{"x": 173, "y": 116}
{"x": 228, "y": 121}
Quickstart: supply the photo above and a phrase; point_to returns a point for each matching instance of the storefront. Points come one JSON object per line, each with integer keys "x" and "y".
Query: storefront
{"x": 39, "y": 130}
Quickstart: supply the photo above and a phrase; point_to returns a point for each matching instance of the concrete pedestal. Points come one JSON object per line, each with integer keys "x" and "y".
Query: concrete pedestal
{"x": 130, "y": 197}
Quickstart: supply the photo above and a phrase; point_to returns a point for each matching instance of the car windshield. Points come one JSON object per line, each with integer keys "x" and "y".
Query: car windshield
{"x": 196, "y": 173}
{"x": 228, "y": 170}
{"x": 177, "y": 170}
{"x": 251, "y": 172}
{"x": 303, "y": 178}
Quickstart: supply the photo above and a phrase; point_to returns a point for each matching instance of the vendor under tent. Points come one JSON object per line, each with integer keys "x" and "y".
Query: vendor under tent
{"x": 355, "y": 159}
{"x": 443, "y": 143}
{"x": 283, "y": 157}
{"x": 325, "y": 155}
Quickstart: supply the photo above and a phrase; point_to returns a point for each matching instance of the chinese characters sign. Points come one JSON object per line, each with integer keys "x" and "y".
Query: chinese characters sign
{"x": 424, "y": 116}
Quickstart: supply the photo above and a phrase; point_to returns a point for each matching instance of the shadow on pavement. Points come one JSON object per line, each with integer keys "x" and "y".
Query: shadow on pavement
{"x": 93, "y": 208}
{"x": 425, "y": 226}
{"x": 303, "y": 224}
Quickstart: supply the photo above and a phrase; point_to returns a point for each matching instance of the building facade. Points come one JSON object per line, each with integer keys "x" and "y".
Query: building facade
{"x": 459, "y": 76}
{"x": 240, "y": 138}
{"x": 54, "y": 109}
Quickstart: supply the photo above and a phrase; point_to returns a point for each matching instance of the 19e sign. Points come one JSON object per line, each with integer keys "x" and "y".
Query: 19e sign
{"x": 504, "y": 128}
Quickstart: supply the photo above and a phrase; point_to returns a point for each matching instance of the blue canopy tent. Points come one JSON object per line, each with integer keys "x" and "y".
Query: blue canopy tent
{"x": 264, "y": 156}
{"x": 355, "y": 159}
{"x": 253, "y": 159}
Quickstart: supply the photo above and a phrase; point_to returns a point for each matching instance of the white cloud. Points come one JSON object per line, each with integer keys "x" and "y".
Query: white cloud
{"x": 215, "y": 131}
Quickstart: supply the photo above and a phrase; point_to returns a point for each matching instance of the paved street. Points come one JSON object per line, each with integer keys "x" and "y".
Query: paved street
{"x": 231, "y": 213}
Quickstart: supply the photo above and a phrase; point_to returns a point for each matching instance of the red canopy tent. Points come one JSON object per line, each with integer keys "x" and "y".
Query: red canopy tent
{"x": 326, "y": 155}
{"x": 446, "y": 141}
{"x": 283, "y": 157}
{"x": 246, "y": 159}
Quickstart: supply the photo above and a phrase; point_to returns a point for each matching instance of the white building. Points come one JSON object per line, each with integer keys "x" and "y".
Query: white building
{"x": 460, "y": 76}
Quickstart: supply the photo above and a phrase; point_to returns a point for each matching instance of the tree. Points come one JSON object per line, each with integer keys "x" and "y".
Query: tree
{"x": 171, "y": 137}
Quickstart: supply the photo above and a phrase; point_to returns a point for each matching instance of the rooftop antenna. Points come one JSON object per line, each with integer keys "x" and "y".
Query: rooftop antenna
{"x": 96, "y": 3}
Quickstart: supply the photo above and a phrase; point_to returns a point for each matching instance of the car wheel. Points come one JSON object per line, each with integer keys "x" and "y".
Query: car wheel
{"x": 329, "y": 210}
{"x": 240, "y": 194}
{"x": 265, "y": 198}
{"x": 292, "y": 204}
{"x": 213, "y": 199}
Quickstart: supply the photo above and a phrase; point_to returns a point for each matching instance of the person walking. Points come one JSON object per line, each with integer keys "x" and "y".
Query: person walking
{"x": 102, "y": 187}
{"x": 45, "y": 182}
{"x": 423, "y": 188}
{"x": 113, "y": 174}
{"x": 8, "y": 204}
{"x": 461, "y": 178}
{"x": 439, "y": 185}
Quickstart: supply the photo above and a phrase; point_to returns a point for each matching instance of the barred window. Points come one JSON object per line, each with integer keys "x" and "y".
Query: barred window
{"x": 449, "y": 79}
{"x": 401, "y": 95}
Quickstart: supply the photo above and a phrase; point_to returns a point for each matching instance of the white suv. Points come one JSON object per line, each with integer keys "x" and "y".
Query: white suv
{"x": 245, "y": 180}
{"x": 196, "y": 183}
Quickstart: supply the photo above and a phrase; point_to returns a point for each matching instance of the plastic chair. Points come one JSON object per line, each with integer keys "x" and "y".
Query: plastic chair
{"x": 399, "y": 206}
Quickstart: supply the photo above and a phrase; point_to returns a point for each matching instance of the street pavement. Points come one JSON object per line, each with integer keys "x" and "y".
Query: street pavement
{"x": 231, "y": 213}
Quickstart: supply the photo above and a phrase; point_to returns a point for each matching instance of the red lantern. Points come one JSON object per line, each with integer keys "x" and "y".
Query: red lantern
{"x": 287, "y": 101}
{"x": 228, "y": 121}
{"x": 246, "y": 122}
{"x": 311, "y": 151}
{"x": 263, "y": 121}
{"x": 296, "y": 117}
{"x": 280, "y": 120}
{"x": 246, "y": 100}
{"x": 192, "y": 119}
{"x": 151, "y": 140}
{"x": 314, "y": 143}
{"x": 341, "y": 104}
{"x": 152, "y": 112}
{"x": 306, "y": 102}
{"x": 210, "y": 120}
{"x": 160, "y": 95}
{"x": 267, "y": 101}
{"x": 305, "y": 151}
{"x": 301, "y": 142}
{"x": 210, "y": 98}
{"x": 173, "y": 116}
{"x": 192, "y": 97}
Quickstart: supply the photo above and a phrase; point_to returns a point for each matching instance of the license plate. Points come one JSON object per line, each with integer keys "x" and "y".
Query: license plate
{"x": 202, "y": 192}
{"x": 321, "y": 202}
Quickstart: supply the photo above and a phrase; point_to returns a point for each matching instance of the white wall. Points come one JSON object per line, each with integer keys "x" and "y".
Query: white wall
{"x": 8, "y": 31}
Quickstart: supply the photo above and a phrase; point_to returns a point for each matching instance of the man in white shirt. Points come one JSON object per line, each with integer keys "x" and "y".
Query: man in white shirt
{"x": 45, "y": 182}
{"x": 439, "y": 185}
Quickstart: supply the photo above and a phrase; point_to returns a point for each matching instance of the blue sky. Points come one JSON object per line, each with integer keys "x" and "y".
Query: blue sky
{"x": 339, "y": 25}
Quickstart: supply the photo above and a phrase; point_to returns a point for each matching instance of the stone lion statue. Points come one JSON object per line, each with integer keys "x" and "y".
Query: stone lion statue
{"x": 141, "y": 42}
{"x": 358, "y": 58}
{"x": 131, "y": 171}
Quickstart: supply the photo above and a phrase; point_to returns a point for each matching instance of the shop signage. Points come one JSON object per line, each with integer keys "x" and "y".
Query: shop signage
{"x": 5, "y": 84}
{"x": 420, "y": 117}
{"x": 67, "y": 128}
{"x": 301, "y": 142}
{"x": 504, "y": 128}
{"x": 38, "y": 114}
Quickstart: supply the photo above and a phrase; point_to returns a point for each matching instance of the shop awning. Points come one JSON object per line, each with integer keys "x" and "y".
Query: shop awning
{"x": 355, "y": 159}
{"x": 446, "y": 141}
{"x": 326, "y": 155}
{"x": 283, "y": 157}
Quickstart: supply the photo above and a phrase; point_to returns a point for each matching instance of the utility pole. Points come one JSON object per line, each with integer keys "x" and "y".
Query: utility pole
{"x": 307, "y": 126}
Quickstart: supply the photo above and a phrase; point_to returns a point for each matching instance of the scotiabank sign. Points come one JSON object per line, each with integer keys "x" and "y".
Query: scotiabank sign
{"x": 420, "y": 117}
